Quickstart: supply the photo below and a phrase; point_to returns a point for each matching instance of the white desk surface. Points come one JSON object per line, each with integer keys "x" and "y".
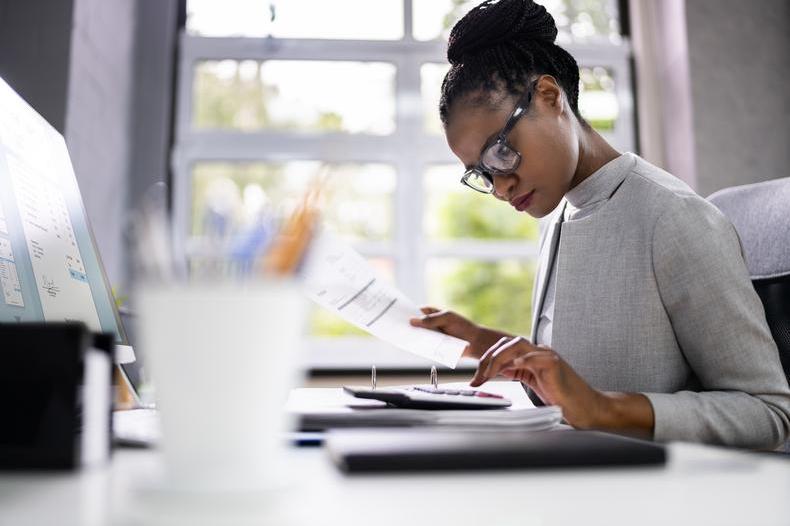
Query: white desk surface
{"x": 699, "y": 485}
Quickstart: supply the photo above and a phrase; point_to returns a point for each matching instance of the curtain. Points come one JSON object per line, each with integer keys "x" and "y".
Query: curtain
{"x": 663, "y": 86}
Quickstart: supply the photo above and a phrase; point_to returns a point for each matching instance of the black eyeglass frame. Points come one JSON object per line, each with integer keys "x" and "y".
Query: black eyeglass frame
{"x": 487, "y": 172}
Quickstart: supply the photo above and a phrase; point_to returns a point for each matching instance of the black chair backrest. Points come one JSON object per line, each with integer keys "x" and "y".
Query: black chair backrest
{"x": 775, "y": 294}
{"x": 761, "y": 215}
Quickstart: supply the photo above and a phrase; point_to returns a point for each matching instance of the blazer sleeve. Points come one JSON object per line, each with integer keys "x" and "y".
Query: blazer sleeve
{"x": 720, "y": 326}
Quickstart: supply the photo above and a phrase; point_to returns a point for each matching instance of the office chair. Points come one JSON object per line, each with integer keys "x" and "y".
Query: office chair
{"x": 761, "y": 215}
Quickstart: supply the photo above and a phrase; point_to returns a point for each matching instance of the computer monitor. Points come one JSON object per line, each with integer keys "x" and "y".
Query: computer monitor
{"x": 50, "y": 269}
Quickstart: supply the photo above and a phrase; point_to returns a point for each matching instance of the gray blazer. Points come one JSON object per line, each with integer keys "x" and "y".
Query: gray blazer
{"x": 653, "y": 296}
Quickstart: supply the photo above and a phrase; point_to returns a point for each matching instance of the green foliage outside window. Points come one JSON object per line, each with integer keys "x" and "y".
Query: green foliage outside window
{"x": 326, "y": 324}
{"x": 465, "y": 214}
{"x": 246, "y": 109}
{"x": 232, "y": 95}
{"x": 497, "y": 294}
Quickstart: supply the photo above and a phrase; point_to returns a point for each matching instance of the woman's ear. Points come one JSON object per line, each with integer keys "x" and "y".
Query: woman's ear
{"x": 548, "y": 95}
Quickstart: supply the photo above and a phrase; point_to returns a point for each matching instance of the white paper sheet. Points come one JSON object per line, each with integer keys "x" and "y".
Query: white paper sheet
{"x": 327, "y": 408}
{"x": 339, "y": 279}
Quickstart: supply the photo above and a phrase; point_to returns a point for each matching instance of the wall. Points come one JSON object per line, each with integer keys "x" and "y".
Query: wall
{"x": 101, "y": 72}
{"x": 156, "y": 29}
{"x": 98, "y": 119}
{"x": 35, "y": 42}
{"x": 739, "y": 56}
{"x": 663, "y": 86}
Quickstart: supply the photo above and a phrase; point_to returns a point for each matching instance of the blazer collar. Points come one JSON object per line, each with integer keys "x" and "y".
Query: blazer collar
{"x": 548, "y": 252}
{"x": 601, "y": 184}
{"x": 588, "y": 194}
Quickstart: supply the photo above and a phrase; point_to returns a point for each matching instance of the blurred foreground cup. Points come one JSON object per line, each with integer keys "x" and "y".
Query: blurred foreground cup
{"x": 223, "y": 358}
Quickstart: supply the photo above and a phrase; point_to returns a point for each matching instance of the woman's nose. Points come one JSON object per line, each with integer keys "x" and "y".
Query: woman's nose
{"x": 504, "y": 185}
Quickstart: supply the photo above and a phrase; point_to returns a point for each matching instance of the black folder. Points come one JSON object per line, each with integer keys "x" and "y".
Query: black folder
{"x": 356, "y": 451}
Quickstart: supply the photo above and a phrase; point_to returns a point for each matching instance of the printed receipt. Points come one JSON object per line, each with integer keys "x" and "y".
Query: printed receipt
{"x": 339, "y": 279}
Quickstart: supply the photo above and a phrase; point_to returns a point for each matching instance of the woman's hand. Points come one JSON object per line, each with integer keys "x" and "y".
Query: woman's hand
{"x": 556, "y": 383}
{"x": 448, "y": 322}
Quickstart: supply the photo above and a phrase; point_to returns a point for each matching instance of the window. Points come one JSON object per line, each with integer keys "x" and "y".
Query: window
{"x": 283, "y": 95}
{"x": 273, "y": 92}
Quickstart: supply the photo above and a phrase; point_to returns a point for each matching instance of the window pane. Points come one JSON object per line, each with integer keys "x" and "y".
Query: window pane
{"x": 495, "y": 294}
{"x": 431, "y": 76}
{"x": 295, "y": 95}
{"x": 327, "y": 324}
{"x": 228, "y": 199}
{"x": 576, "y": 20}
{"x": 597, "y": 98}
{"x": 346, "y": 19}
{"x": 581, "y": 20}
{"x": 454, "y": 211}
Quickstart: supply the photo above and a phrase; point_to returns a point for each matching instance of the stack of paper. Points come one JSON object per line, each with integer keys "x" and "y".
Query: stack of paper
{"x": 327, "y": 408}
{"x": 531, "y": 418}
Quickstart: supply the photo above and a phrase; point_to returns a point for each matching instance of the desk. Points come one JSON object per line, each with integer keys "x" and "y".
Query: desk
{"x": 700, "y": 485}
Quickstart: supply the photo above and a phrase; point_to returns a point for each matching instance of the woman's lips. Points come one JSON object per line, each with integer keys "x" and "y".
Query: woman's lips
{"x": 522, "y": 202}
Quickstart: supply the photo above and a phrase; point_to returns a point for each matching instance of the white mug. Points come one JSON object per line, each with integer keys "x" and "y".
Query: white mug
{"x": 223, "y": 358}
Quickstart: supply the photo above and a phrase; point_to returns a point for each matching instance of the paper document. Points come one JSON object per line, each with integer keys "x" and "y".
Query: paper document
{"x": 331, "y": 408}
{"x": 339, "y": 279}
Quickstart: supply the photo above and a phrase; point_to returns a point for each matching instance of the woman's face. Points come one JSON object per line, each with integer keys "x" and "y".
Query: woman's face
{"x": 546, "y": 137}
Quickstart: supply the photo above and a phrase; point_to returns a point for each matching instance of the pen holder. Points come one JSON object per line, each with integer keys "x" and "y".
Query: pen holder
{"x": 57, "y": 379}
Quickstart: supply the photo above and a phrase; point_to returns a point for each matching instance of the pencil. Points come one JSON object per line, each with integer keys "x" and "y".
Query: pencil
{"x": 294, "y": 238}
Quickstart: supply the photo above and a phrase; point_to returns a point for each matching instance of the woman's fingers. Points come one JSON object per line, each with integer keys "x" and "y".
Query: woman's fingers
{"x": 427, "y": 309}
{"x": 433, "y": 319}
{"x": 485, "y": 359}
{"x": 547, "y": 375}
{"x": 540, "y": 370}
{"x": 515, "y": 358}
{"x": 449, "y": 322}
{"x": 505, "y": 356}
{"x": 520, "y": 375}
{"x": 543, "y": 356}
{"x": 493, "y": 354}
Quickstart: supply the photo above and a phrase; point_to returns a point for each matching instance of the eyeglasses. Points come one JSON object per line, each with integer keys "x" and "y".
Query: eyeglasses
{"x": 498, "y": 157}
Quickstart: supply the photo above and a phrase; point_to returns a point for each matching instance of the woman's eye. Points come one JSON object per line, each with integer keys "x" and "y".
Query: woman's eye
{"x": 502, "y": 151}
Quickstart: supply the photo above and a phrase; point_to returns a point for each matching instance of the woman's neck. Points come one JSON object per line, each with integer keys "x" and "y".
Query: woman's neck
{"x": 594, "y": 152}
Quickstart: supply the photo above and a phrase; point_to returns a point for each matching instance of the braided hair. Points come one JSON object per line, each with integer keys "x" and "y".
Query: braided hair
{"x": 503, "y": 45}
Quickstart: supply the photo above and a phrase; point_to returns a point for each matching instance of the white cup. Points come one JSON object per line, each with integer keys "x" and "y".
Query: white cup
{"x": 223, "y": 358}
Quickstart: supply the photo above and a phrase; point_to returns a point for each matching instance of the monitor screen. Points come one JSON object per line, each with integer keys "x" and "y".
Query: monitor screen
{"x": 49, "y": 267}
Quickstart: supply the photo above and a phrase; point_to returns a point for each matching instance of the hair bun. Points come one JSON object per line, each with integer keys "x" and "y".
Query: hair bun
{"x": 495, "y": 22}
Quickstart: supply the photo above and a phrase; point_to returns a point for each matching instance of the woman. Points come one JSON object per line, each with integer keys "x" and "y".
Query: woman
{"x": 645, "y": 321}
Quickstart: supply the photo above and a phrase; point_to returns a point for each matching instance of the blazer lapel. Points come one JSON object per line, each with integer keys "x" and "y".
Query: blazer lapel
{"x": 548, "y": 251}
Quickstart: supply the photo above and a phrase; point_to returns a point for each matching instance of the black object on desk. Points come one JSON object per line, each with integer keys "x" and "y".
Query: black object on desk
{"x": 357, "y": 451}
{"x": 56, "y": 385}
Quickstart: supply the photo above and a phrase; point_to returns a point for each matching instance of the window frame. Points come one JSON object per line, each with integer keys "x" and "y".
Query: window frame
{"x": 409, "y": 247}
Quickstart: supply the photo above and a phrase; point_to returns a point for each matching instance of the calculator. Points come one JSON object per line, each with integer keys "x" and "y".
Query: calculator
{"x": 429, "y": 397}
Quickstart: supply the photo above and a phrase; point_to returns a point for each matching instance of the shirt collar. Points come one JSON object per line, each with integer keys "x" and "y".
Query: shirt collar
{"x": 600, "y": 185}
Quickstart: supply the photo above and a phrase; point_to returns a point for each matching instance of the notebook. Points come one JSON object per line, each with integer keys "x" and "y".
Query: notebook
{"x": 378, "y": 450}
